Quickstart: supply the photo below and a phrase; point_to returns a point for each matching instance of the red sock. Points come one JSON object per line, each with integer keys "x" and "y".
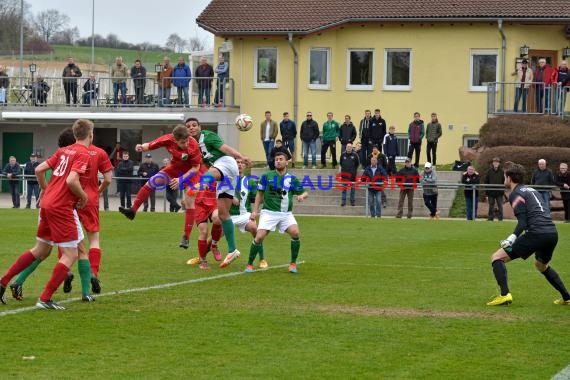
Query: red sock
{"x": 95, "y": 260}
{"x": 19, "y": 265}
{"x": 142, "y": 196}
{"x": 216, "y": 232}
{"x": 59, "y": 252}
{"x": 57, "y": 277}
{"x": 202, "y": 248}
{"x": 189, "y": 217}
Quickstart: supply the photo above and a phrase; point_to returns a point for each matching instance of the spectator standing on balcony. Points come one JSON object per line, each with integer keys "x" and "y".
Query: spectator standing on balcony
{"x": 433, "y": 133}
{"x": 391, "y": 149}
{"x": 416, "y": 133}
{"x": 138, "y": 73}
{"x": 30, "y": 174}
{"x": 288, "y": 130}
{"x": 222, "y": 70}
{"x": 309, "y": 135}
{"x": 70, "y": 74}
{"x": 124, "y": 170}
{"x": 495, "y": 176}
{"x": 4, "y": 86}
{"x": 164, "y": 80}
{"x": 40, "y": 89}
{"x": 90, "y": 90}
{"x": 561, "y": 78}
{"x": 147, "y": 169}
{"x": 119, "y": 75}
{"x": 181, "y": 80}
{"x": 12, "y": 171}
{"x": 347, "y": 133}
{"x": 524, "y": 79}
{"x": 364, "y": 132}
{"x": 268, "y": 134}
{"x": 331, "y": 131}
{"x": 205, "y": 74}
{"x": 471, "y": 180}
{"x": 542, "y": 177}
{"x": 543, "y": 75}
{"x": 377, "y": 129}
{"x": 563, "y": 181}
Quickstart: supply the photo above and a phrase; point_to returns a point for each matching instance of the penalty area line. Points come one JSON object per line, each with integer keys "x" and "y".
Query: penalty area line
{"x": 562, "y": 375}
{"x": 146, "y": 288}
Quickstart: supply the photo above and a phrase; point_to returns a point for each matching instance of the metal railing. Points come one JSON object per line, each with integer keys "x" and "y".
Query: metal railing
{"x": 504, "y": 98}
{"x": 116, "y": 92}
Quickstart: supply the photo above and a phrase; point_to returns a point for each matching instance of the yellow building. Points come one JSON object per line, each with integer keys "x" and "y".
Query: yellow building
{"x": 401, "y": 57}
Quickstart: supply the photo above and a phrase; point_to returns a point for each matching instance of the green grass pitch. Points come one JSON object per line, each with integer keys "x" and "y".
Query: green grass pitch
{"x": 374, "y": 299}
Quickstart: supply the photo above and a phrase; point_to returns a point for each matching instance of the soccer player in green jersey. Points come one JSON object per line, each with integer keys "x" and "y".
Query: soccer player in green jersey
{"x": 222, "y": 167}
{"x": 275, "y": 191}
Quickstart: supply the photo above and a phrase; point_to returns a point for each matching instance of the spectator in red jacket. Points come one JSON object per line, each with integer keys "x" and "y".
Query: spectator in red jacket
{"x": 543, "y": 75}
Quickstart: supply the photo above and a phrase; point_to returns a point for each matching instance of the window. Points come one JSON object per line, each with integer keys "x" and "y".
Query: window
{"x": 266, "y": 67}
{"x": 319, "y": 68}
{"x": 470, "y": 141}
{"x": 360, "y": 69}
{"x": 403, "y": 145}
{"x": 483, "y": 69}
{"x": 397, "y": 70}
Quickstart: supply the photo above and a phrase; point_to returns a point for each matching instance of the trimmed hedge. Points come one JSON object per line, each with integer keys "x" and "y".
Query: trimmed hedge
{"x": 525, "y": 130}
{"x": 527, "y": 156}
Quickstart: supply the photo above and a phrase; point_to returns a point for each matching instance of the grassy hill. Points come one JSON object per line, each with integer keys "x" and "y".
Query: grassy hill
{"x": 103, "y": 56}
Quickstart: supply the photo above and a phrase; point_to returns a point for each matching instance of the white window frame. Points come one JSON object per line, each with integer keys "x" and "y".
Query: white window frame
{"x": 257, "y": 84}
{"x": 474, "y": 52}
{"x": 359, "y": 87}
{"x": 318, "y": 86}
{"x": 467, "y": 138}
{"x": 389, "y": 87}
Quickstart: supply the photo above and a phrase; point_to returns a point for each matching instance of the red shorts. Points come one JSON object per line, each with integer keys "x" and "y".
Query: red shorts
{"x": 89, "y": 218}
{"x": 176, "y": 172}
{"x": 204, "y": 211}
{"x": 60, "y": 226}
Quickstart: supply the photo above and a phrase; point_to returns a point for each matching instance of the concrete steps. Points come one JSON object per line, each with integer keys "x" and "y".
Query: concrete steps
{"x": 327, "y": 202}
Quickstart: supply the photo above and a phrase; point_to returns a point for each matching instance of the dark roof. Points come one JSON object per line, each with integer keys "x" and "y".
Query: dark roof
{"x": 225, "y": 17}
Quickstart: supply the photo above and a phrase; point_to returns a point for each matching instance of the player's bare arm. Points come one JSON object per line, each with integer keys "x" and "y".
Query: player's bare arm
{"x": 302, "y": 197}
{"x": 75, "y": 187}
{"x": 107, "y": 178}
{"x": 258, "y": 202}
{"x": 142, "y": 147}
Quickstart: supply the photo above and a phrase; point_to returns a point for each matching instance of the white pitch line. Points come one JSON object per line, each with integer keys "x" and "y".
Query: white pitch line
{"x": 401, "y": 266}
{"x": 563, "y": 375}
{"x": 146, "y": 288}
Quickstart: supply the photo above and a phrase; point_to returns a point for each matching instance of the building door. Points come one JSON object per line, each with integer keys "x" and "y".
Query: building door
{"x": 18, "y": 144}
{"x": 533, "y": 57}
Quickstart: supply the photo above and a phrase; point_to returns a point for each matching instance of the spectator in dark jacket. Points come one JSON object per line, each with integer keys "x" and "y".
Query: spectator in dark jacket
{"x": 349, "y": 162}
{"x": 309, "y": 135}
{"x": 416, "y": 133}
{"x": 12, "y": 171}
{"x": 496, "y": 178}
{"x": 124, "y": 170}
{"x": 347, "y": 133}
{"x": 471, "y": 180}
{"x": 40, "y": 90}
{"x": 364, "y": 132}
{"x": 375, "y": 176}
{"x": 90, "y": 90}
{"x": 391, "y": 149}
{"x": 288, "y": 131}
{"x": 278, "y": 147}
{"x": 543, "y": 178}
{"x": 561, "y": 78}
{"x": 138, "y": 73}
{"x": 30, "y": 174}
{"x": 205, "y": 73}
{"x": 411, "y": 175}
{"x": 377, "y": 129}
{"x": 146, "y": 170}
{"x": 563, "y": 181}
{"x": 70, "y": 74}
{"x": 433, "y": 133}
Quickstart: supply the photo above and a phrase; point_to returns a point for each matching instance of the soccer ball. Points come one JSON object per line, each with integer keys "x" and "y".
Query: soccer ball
{"x": 244, "y": 122}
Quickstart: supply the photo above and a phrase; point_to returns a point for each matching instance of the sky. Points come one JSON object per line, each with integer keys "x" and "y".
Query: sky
{"x": 132, "y": 21}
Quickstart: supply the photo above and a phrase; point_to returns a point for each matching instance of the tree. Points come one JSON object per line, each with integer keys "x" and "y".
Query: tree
{"x": 50, "y": 22}
{"x": 10, "y": 24}
{"x": 68, "y": 36}
{"x": 113, "y": 40}
{"x": 175, "y": 43}
{"x": 196, "y": 43}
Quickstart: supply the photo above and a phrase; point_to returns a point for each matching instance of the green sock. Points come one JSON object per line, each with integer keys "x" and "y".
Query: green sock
{"x": 85, "y": 275}
{"x": 28, "y": 271}
{"x": 253, "y": 250}
{"x": 295, "y": 246}
{"x": 228, "y": 227}
{"x": 261, "y": 253}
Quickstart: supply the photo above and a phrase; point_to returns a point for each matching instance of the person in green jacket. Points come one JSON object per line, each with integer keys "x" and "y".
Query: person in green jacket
{"x": 433, "y": 133}
{"x": 331, "y": 131}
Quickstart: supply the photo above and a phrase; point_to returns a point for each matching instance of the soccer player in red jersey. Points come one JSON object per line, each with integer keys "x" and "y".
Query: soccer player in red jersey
{"x": 186, "y": 159}
{"x": 59, "y": 223}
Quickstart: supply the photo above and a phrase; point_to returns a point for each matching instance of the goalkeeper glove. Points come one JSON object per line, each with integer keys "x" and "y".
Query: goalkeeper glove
{"x": 508, "y": 242}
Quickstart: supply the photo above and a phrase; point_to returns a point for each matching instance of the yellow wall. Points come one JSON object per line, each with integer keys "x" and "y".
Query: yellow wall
{"x": 440, "y": 76}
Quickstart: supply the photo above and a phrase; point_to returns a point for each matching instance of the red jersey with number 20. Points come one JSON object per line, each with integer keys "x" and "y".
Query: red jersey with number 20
{"x": 182, "y": 159}
{"x": 65, "y": 160}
